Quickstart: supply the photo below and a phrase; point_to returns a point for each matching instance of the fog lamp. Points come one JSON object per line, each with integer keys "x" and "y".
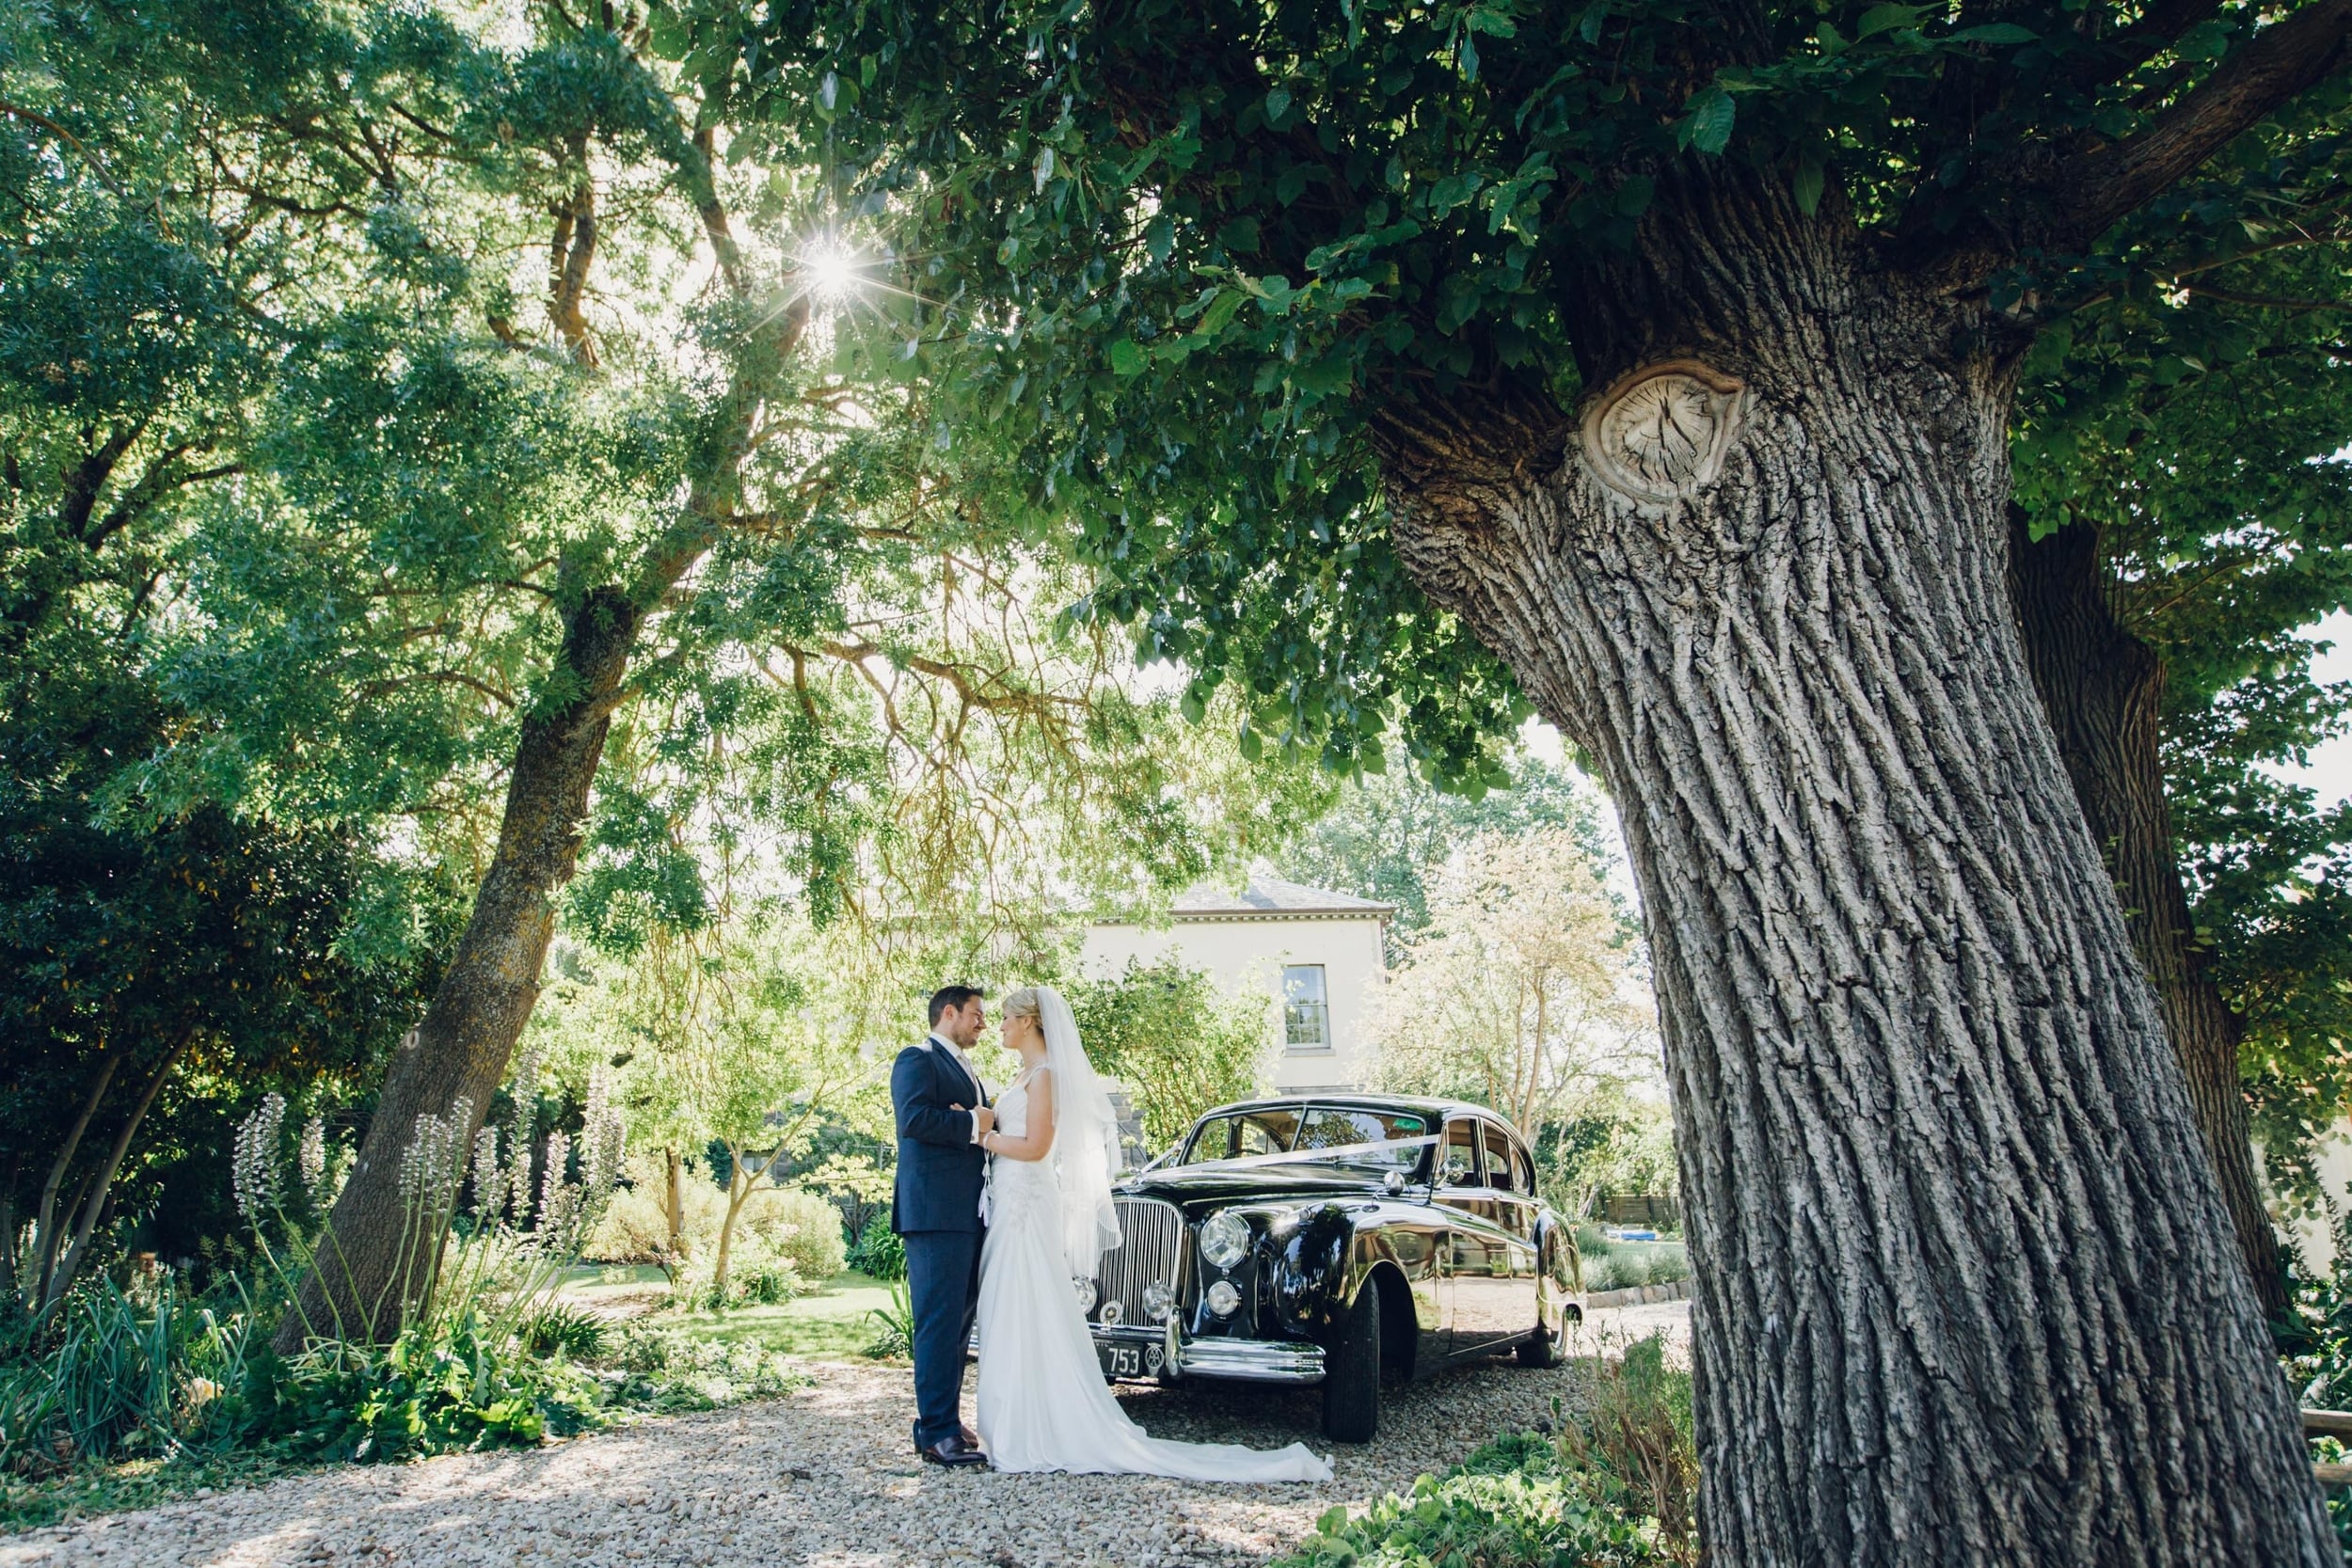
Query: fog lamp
{"x": 1112, "y": 1311}
{"x": 1223, "y": 1299}
{"x": 1085, "y": 1294}
{"x": 1158, "y": 1301}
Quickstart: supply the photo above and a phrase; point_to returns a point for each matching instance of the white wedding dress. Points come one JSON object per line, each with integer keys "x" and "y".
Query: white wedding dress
{"x": 1041, "y": 1401}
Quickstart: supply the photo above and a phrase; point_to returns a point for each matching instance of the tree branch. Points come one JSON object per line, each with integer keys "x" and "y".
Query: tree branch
{"x": 2094, "y": 189}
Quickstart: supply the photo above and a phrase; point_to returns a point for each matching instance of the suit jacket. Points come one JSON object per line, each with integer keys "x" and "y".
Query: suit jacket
{"x": 940, "y": 1168}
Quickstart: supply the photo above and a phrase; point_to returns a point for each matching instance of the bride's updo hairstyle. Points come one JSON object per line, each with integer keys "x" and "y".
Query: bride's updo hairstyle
{"x": 1023, "y": 1002}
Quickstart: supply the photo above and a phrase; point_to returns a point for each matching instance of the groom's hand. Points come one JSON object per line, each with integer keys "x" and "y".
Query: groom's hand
{"x": 983, "y": 1121}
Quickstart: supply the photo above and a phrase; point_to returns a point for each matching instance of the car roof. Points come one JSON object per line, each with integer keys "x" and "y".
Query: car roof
{"x": 1435, "y": 1109}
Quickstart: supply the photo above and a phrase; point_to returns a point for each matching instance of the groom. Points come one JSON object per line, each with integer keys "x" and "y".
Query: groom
{"x": 941, "y": 1110}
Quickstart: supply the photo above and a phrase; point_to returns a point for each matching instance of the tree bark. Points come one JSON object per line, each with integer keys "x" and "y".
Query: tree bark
{"x": 57, "y": 1282}
{"x": 45, "y": 1236}
{"x": 2102, "y": 690}
{"x": 363, "y": 1272}
{"x": 1966, "y": 1291}
{"x": 677, "y": 1201}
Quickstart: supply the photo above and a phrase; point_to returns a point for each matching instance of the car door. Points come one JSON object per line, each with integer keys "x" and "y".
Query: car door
{"x": 1511, "y": 1176}
{"x": 1475, "y": 1246}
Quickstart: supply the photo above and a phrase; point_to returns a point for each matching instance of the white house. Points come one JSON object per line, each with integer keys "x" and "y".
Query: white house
{"x": 1315, "y": 955}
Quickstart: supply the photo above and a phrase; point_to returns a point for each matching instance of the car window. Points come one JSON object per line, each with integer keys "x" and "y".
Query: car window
{"x": 1383, "y": 1140}
{"x": 1459, "y": 1166}
{"x": 1500, "y": 1174}
{"x": 1242, "y": 1134}
{"x": 1526, "y": 1168}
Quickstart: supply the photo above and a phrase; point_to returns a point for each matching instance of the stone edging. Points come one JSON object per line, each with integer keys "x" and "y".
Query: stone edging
{"x": 1635, "y": 1295}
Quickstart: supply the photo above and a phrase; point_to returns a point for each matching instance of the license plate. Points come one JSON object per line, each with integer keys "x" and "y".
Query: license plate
{"x": 1120, "y": 1360}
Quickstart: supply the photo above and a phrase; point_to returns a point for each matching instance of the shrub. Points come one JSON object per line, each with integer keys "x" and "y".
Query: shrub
{"x": 446, "y": 1384}
{"x": 1613, "y": 1490}
{"x": 1616, "y": 1271}
{"x": 799, "y": 1226}
{"x": 1668, "y": 1262}
{"x": 635, "y": 1229}
{"x": 666, "y": 1369}
{"x": 894, "y": 1327}
{"x": 124, "y": 1377}
{"x": 563, "y": 1328}
{"x": 880, "y": 1252}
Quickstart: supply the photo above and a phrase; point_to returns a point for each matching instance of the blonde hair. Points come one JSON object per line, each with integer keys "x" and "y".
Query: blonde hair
{"x": 1023, "y": 1002}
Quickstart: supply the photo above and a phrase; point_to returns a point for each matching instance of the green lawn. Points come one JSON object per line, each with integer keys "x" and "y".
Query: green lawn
{"x": 829, "y": 1324}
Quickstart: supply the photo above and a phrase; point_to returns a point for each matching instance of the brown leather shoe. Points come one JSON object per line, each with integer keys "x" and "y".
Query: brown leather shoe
{"x": 954, "y": 1452}
{"x": 971, "y": 1438}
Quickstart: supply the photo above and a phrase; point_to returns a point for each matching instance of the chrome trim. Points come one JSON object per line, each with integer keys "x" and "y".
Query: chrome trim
{"x": 1151, "y": 1246}
{"x": 1239, "y": 1360}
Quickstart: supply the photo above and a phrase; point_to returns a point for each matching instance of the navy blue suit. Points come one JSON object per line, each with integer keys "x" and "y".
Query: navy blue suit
{"x": 936, "y": 1208}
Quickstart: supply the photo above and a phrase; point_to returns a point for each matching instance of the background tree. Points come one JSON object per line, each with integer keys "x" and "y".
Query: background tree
{"x": 1522, "y": 992}
{"x": 1388, "y": 834}
{"x": 2180, "y": 517}
{"x": 1315, "y": 249}
{"x": 157, "y": 955}
{"x": 1174, "y": 1040}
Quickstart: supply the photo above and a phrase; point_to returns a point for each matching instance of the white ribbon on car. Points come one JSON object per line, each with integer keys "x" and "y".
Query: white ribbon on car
{"x": 1308, "y": 1156}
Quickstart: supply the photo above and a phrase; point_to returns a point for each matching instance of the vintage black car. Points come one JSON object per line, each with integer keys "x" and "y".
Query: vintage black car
{"x": 1336, "y": 1239}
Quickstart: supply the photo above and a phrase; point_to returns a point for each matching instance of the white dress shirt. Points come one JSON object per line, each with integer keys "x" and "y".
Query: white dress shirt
{"x": 955, "y": 1053}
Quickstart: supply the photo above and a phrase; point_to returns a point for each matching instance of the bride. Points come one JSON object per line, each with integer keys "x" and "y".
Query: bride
{"x": 1041, "y": 1403}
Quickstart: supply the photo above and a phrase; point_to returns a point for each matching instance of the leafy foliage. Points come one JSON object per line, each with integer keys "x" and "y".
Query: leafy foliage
{"x": 1522, "y": 991}
{"x": 1386, "y": 835}
{"x": 1175, "y": 1040}
{"x": 880, "y": 1253}
{"x": 1613, "y": 1490}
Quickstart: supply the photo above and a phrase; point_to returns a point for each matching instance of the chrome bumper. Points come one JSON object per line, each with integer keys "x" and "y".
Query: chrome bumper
{"x": 1167, "y": 1354}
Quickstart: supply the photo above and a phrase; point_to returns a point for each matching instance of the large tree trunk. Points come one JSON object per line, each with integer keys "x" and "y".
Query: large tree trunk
{"x": 365, "y": 1277}
{"x": 1965, "y": 1289}
{"x": 2103, "y": 688}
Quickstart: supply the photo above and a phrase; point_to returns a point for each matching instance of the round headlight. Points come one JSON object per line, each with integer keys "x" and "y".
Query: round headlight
{"x": 1225, "y": 1239}
{"x": 1112, "y": 1312}
{"x": 1158, "y": 1301}
{"x": 1223, "y": 1299}
{"x": 1085, "y": 1294}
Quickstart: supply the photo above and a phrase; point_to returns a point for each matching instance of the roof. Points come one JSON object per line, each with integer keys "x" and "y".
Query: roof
{"x": 1268, "y": 896}
{"x": 1437, "y": 1108}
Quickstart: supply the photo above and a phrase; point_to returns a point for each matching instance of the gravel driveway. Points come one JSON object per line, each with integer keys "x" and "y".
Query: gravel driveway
{"x": 823, "y": 1478}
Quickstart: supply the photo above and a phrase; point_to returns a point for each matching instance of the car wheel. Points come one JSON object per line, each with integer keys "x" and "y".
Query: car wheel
{"x": 1351, "y": 1372}
{"x": 1539, "y": 1349}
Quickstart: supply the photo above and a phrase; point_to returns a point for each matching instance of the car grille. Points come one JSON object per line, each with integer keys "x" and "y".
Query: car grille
{"x": 1151, "y": 1246}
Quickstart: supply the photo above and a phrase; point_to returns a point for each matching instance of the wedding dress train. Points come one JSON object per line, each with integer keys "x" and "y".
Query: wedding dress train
{"x": 1041, "y": 1401}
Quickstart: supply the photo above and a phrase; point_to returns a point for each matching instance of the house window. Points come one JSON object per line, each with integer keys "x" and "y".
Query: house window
{"x": 1306, "y": 1009}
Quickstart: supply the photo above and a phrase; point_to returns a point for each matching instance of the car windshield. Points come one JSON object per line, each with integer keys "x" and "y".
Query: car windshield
{"x": 1241, "y": 1135}
{"x": 1364, "y": 1139}
{"x": 1377, "y": 1140}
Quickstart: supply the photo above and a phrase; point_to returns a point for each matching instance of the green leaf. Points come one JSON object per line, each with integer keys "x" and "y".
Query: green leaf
{"x": 1994, "y": 32}
{"x": 1276, "y": 102}
{"x": 1808, "y": 184}
{"x": 1707, "y": 126}
{"x": 1220, "y": 312}
{"x": 1886, "y": 18}
{"x": 1126, "y": 359}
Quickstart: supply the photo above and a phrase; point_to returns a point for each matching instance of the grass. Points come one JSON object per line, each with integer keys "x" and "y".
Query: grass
{"x": 828, "y": 1324}
{"x": 111, "y": 1488}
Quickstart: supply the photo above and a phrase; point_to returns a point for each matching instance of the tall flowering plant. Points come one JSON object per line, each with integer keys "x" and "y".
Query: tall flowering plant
{"x": 484, "y": 1242}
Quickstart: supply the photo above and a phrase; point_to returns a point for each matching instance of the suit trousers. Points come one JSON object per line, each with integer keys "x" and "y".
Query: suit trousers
{"x": 943, "y": 1289}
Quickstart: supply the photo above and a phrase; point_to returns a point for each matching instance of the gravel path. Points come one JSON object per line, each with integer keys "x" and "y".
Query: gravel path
{"x": 823, "y": 1478}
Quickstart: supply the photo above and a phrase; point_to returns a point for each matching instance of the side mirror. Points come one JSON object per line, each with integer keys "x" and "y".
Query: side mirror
{"x": 1393, "y": 1182}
